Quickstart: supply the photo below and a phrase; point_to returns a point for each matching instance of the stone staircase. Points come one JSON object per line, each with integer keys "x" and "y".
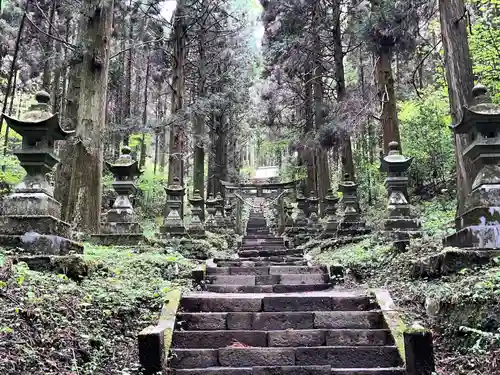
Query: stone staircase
{"x": 270, "y": 313}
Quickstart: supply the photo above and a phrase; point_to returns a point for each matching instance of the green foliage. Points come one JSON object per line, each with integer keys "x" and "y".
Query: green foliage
{"x": 425, "y": 136}
{"x": 152, "y": 187}
{"x": 484, "y": 43}
{"x": 437, "y": 216}
{"x": 88, "y": 327}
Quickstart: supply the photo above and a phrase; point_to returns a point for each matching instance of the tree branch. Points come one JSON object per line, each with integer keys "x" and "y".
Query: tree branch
{"x": 138, "y": 45}
{"x": 66, "y": 43}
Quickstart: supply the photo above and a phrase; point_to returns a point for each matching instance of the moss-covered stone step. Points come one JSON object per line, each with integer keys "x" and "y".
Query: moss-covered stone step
{"x": 295, "y": 332}
{"x": 334, "y": 356}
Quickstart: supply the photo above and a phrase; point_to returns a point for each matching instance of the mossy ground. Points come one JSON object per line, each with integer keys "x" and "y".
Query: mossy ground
{"x": 470, "y": 298}
{"x": 50, "y": 324}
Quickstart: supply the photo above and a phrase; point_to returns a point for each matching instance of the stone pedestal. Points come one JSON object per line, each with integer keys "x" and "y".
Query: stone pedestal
{"x": 299, "y": 232}
{"x": 400, "y": 226}
{"x": 351, "y": 223}
{"x": 173, "y": 224}
{"x": 219, "y": 211}
{"x": 210, "y": 222}
{"x": 331, "y": 221}
{"x": 30, "y": 220}
{"x": 478, "y": 227}
{"x": 196, "y": 228}
{"x": 121, "y": 226}
{"x": 314, "y": 226}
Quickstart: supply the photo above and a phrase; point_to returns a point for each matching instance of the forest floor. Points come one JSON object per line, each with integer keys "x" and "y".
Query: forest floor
{"x": 451, "y": 305}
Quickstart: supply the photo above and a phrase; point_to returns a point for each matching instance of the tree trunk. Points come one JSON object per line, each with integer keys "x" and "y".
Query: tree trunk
{"x": 387, "y": 96}
{"x": 460, "y": 78}
{"x": 142, "y": 161}
{"x": 84, "y": 202}
{"x": 308, "y": 151}
{"x": 49, "y": 43}
{"x": 199, "y": 124}
{"x": 13, "y": 64}
{"x": 127, "y": 105}
{"x": 177, "y": 136}
{"x": 347, "y": 159}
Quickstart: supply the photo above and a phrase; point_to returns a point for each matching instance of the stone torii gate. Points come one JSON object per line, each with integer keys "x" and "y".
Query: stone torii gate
{"x": 237, "y": 192}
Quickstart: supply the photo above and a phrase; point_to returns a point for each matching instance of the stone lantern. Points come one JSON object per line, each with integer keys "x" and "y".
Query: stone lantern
{"x": 31, "y": 216}
{"x": 173, "y": 223}
{"x": 301, "y": 218}
{"x": 219, "y": 211}
{"x": 313, "y": 222}
{"x": 229, "y": 219}
{"x": 121, "y": 226}
{"x": 478, "y": 226}
{"x": 196, "y": 228}
{"x": 400, "y": 225}
{"x": 211, "y": 204}
{"x": 331, "y": 221}
{"x": 351, "y": 223}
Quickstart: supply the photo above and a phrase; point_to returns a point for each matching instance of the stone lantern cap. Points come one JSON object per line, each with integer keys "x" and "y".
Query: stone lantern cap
{"x": 175, "y": 189}
{"x": 38, "y": 123}
{"x": 347, "y": 186}
{"x": 125, "y": 166}
{"x": 196, "y": 199}
{"x": 394, "y": 161}
{"x": 331, "y": 197}
{"x": 482, "y": 116}
{"x": 312, "y": 197}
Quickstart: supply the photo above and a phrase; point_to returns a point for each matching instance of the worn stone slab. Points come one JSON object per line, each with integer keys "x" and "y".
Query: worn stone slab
{"x": 295, "y": 338}
{"x": 218, "y": 271}
{"x": 221, "y": 304}
{"x": 293, "y": 303}
{"x": 349, "y": 356}
{"x": 239, "y": 321}
{"x": 353, "y": 337}
{"x": 355, "y": 303}
{"x": 232, "y": 280}
{"x": 213, "y": 371}
{"x": 283, "y": 320}
{"x": 267, "y": 280}
{"x": 218, "y": 339}
{"x": 283, "y": 288}
{"x": 294, "y": 279}
{"x": 240, "y": 288}
{"x": 292, "y": 370}
{"x": 193, "y": 358}
{"x": 248, "y": 253}
{"x": 369, "y": 371}
{"x": 257, "y": 271}
{"x": 348, "y": 319}
{"x": 202, "y": 321}
{"x": 249, "y": 357}
{"x": 274, "y": 270}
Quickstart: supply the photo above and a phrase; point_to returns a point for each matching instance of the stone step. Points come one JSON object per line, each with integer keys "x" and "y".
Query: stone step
{"x": 368, "y": 371}
{"x": 260, "y": 331}
{"x": 288, "y": 370}
{"x": 277, "y": 288}
{"x": 262, "y": 263}
{"x": 331, "y": 308}
{"x": 264, "y": 252}
{"x": 269, "y": 270}
{"x": 285, "y": 279}
{"x": 338, "y": 357}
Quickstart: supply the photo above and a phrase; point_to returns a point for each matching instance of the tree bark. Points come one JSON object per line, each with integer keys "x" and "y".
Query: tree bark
{"x": 460, "y": 78}
{"x": 387, "y": 96}
{"x": 49, "y": 43}
{"x": 84, "y": 201}
{"x": 177, "y": 136}
{"x": 142, "y": 161}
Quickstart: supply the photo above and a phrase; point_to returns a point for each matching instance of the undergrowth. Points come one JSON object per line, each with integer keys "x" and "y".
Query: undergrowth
{"x": 463, "y": 309}
{"x": 50, "y": 324}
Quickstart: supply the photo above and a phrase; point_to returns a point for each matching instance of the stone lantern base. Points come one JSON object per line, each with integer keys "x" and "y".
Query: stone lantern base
{"x": 120, "y": 229}
{"x": 352, "y": 228}
{"x": 37, "y": 235}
